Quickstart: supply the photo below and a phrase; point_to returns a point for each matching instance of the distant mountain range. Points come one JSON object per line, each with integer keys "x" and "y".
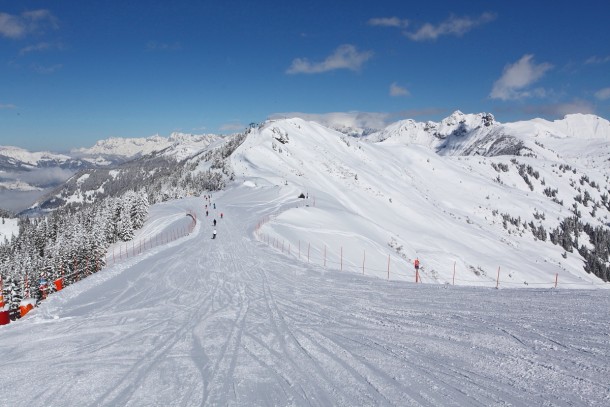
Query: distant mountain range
{"x": 25, "y": 171}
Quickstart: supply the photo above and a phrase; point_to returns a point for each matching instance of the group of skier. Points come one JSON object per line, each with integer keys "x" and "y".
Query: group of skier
{"x": 208, "y": 198}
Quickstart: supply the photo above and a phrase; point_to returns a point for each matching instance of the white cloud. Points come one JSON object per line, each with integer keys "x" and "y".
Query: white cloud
{"x": 41, "y": 177}
{"x": 11, "y": 26}
{"x": 396, "y": 90}
{"x": 517, "y": 77}
{"x": 7, "y": 106}
{"x": 232, "y": 127}
{"x": 45, "y": 70}
{"x": 359, "y": 120}
{"x": 603, "y": 94}
{"x": 162, "y": 46}
{"x": 578, "y": 106}
{"x": 42, "y": 46}
{"x": 562, "y": 109}
{"x": 388, "y": 22}
{"x": 595, "y": 60}
{"x": 18, "y": 26}
{"x": 410, "y": 113}
{"x": 457, "y": 26}
{"x": 344, "y": 57}
{"x": 370, "y": 120}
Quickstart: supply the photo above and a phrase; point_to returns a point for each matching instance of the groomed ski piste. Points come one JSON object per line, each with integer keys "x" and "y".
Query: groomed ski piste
{"x": 240, "y": 321}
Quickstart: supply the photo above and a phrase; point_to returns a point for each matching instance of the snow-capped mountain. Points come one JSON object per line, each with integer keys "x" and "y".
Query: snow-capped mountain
{"x": 19, "y": 159}
{"x": 178, "y": 145}
{"x": 481, "y": 134}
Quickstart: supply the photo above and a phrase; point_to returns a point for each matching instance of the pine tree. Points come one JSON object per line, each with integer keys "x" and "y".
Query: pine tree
{"x": 124, "y": 225}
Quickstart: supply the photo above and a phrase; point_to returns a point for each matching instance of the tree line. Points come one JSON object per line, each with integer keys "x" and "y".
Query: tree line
{"x": 66, "y": 244}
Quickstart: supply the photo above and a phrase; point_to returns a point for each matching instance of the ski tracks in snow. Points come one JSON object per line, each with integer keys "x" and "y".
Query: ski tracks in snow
{"x": 231, "y": 321}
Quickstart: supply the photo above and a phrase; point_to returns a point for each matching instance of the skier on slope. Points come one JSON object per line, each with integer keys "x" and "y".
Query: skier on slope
{"x": 214, "y": 234}
{"x": 214, "y": 222}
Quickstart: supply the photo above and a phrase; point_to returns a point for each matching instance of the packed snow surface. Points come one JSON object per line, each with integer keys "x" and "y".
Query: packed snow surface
{"x": 238, "y": 321}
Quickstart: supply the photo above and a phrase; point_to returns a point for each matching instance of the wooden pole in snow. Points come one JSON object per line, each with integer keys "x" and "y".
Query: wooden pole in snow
{"x": 363, "y": 260}
{"x": 388, "y": 266}
{"x": 324, "y": 255}
{"x": 454, "y": 273}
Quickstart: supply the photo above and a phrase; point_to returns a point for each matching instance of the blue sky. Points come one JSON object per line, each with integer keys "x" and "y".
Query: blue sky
{"x": 74, "y": 72}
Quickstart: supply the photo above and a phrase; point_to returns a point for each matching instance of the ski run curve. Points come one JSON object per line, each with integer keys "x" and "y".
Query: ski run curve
{"x": 233, "y": 321}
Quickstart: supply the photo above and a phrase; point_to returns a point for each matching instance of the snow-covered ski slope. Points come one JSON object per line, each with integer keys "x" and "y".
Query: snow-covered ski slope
{"x": 234, "y": 321}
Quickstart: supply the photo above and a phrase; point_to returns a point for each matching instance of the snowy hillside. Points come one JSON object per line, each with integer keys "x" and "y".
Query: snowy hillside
{"x": 235, "y": 321}
{"x": 471, "y": 214}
